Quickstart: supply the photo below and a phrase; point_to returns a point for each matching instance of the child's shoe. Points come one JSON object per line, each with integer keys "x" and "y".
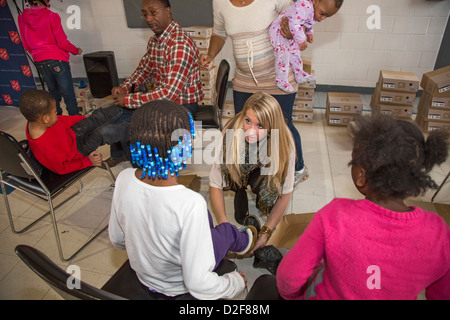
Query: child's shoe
{"x": 252, "y": 236}
{"x": 300, "y": 176}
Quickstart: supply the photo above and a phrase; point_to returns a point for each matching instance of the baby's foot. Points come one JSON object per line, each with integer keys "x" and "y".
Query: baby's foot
{"x": 285, "y": 86}
{"x": 302, "y": 77}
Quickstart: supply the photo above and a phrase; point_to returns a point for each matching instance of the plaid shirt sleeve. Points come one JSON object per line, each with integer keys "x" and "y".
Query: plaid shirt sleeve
{"x": 142, "y": 73}
{"x": 179, "y": 57}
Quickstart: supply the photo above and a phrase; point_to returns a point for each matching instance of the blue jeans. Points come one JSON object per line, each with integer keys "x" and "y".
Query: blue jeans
{"x": 101, "y": 128}
{"x": 286, "y": 102}
{"x": 57, "y": 76}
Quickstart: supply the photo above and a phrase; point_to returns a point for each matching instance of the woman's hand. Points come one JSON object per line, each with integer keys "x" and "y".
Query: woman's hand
{"x": 206, "y": 61}
{"x": 260, "y": 242}
{"x": 285, "y": 30}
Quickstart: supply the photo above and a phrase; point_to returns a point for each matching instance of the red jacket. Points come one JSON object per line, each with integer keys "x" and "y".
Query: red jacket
{"x": 56, "y": 149}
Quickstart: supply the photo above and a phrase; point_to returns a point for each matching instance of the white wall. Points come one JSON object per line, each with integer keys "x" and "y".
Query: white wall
{"x": 345, "y": 51}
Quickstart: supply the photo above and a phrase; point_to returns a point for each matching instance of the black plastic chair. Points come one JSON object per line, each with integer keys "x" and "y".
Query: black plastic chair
{"x": 123, "y": 285}
{"x": 211, "y": 115}
{"x": 19, "y": 171}
{"x": 440, "y": 186}
{"x": 58, "y": 279}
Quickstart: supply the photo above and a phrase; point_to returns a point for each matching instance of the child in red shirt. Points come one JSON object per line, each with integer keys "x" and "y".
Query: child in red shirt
{"x": 65, "y": 144}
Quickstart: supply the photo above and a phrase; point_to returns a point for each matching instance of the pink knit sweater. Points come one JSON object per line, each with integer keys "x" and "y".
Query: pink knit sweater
{"x": 369, "y": 252}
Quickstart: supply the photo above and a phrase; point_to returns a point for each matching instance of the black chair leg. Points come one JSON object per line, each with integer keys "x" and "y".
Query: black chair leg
{"x": 440, "y": 187}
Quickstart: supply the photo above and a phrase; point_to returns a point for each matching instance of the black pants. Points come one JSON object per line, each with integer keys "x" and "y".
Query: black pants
{"x": 225, "y": 266}
{"x": 264, "y": 288}
{"x": 241, "y": 199}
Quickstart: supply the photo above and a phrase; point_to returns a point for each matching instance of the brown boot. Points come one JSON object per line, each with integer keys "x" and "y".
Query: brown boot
{"x": 113, "y": 162}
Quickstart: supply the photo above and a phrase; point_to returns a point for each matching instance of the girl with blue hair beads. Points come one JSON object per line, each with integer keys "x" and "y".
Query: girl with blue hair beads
{"x": 165, "y": 227}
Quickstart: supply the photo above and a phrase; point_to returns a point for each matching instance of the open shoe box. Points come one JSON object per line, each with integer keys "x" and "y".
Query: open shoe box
{"x": 292, "y": 226}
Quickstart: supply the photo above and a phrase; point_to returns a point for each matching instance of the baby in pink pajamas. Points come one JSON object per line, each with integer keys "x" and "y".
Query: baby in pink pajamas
{"x": 302, "y": 14}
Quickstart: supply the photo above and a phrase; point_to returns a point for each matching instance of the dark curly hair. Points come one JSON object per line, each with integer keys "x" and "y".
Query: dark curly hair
{"x": 35, "y": 103}
{"x": 154, "y": 123}
{"x": 395, "y": 155}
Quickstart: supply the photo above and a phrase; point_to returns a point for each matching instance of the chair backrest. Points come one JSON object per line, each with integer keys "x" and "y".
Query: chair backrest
{"x": 57, "y": 278}
{"x": 221, "y": 82}
{"x": 11, "y": 161}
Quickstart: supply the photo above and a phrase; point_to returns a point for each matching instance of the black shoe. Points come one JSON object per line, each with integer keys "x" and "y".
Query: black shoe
{"x": 268, "y": 257}
{"x": 252, "y": 220}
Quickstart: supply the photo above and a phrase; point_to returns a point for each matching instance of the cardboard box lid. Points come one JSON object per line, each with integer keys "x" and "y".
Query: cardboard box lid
{"x": 344, "y": 98}
{"x": 398, "y": 81}
{"x": 437, "y": 82}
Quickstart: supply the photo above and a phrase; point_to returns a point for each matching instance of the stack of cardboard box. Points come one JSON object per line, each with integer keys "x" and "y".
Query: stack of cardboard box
{"x": 342, "y": 108}
{"x": 202, "y": 37}
{"x": 302, "y": 110}
{"x": 434, "y": 106}
{"x": 395, "y": 94}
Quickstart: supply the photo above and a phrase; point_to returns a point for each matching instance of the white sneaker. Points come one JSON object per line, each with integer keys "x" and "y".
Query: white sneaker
{"x": 252, "y": 236}
{"x": 301, "y": 176}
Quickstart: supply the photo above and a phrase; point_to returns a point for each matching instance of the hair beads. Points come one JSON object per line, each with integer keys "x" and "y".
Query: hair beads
{"x": 155, "y": 166}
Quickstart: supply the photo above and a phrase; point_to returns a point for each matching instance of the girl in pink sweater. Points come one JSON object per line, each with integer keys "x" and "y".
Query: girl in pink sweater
{"x": 376, "y": 248}
{"x": 44, "y": 38}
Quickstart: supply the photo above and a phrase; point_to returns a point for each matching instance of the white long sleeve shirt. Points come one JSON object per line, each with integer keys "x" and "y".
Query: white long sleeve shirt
{"x": 166, "y": 233}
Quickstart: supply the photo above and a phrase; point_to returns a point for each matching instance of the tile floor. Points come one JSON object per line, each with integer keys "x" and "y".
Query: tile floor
{"x": 326, "y": 151}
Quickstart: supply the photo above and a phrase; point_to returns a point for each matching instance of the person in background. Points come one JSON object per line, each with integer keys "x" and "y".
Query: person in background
{"x": 302, "y": 15}
{"x": 247, "y": 24}
{"x": 44, "y": 38}
{"x": 170, "y": 66}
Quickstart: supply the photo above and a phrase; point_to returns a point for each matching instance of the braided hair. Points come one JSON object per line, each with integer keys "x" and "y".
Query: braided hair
{"x": 396, "y": 156}
{"x": 159, "y": 124}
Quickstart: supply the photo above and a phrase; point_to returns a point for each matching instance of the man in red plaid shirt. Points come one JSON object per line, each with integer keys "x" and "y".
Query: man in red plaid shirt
{"x": 171, "y": 63}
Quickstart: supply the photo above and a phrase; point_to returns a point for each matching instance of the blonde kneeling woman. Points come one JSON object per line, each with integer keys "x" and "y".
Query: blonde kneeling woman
{"x": 256, "y": 150}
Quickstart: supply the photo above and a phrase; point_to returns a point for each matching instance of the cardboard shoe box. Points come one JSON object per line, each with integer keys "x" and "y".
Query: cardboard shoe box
{"x": 289, "y": 230}
{"x": 429, "y": 126}
{"x": 307, "y": 64}
{"x": 208, "y": 74}
{"x": 396, "y": 111}
{"x": 303, "y": 105}
{"x": 303, "y": 116}
{"x": 305, "y": 94}
{"x": 340, "y": 119}
{"x": 398, "y": 81}
{"x": 437, "y": 82}
{"x": 435, "y": 114}
{"x": 199, "y": 31}
{"x": 394, "y": 97}
{"x": 429, "y": 101}
{"x": 228, "y": 109}
{"x": 344, "y": 103}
